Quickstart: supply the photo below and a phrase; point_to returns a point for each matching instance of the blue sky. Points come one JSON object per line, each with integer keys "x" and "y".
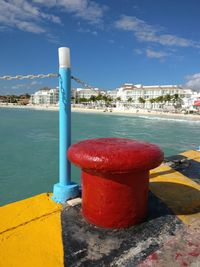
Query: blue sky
{"x": 112, "y": 42}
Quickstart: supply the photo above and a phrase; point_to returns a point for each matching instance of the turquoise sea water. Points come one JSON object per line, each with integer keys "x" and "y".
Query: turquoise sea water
{"x": 29, "y": 144}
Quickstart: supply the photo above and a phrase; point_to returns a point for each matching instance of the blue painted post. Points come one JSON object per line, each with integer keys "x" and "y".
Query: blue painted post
{"x": 65, "y": 189}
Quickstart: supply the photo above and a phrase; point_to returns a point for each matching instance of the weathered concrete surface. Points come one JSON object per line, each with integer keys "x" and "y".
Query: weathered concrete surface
{"x": 87, "y": 245}
{"x": 180, "y": 250}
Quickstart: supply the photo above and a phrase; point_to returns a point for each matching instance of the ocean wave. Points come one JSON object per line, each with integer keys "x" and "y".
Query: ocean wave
{"x": 168, "y": 119}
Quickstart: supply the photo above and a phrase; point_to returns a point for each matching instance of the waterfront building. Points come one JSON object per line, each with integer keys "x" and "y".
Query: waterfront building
{"x": 45, "y": 96}
{"x": 127, "y": 96}
{"x": 144, "y": 95}
{"x": 73, "y": 93}
{"x": 88, "y": 92}
{"x": 113, "y": 94}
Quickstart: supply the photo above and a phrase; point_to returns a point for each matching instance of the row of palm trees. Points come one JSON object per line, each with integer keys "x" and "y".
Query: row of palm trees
{"x": 102, "y": 99}
{"x": 108, "y": 101}
{"x": 175, "y": 100}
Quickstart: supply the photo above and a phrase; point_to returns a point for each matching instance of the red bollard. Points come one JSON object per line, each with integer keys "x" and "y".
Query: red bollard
{"x": 115, "y": 179}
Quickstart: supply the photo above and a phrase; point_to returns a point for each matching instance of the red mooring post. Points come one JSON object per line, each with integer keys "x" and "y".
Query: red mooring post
{"x": 115, "y": 179}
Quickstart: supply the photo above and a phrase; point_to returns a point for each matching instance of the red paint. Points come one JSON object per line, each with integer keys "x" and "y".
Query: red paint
{"x": 115, "y": 179}
{"x": 194, "y": 254}
{"x": 153, "y": 256}
{"x": 178, "y": 255}
{"x": 192, "y": 244}
{"x": 197, "y": 103}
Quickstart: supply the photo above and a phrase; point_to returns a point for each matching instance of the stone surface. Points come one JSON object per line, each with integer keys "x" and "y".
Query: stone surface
{"x": 74, "y": 202}
{"x": 180, "y": 250}
{"x": 88, "y": 245}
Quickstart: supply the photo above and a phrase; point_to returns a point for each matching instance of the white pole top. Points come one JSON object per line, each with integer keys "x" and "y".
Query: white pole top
{"x": 64, "y": 57}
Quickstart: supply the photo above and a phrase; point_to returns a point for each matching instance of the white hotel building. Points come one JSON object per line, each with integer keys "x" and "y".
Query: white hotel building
{"x": 88, "y": 92}
{"x": 45, "y": 97}
{"x": 123, "y": 95}
{"x": 51, "y": 96}
{"x": 134, "y": 92}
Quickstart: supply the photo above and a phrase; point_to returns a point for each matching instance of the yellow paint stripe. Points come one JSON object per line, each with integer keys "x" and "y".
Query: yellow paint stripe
{"x": 34, "y": 238}
{"x": 192, "y": 154}
{"x": 18, "y": 213}
{"x": 178, "y": 192}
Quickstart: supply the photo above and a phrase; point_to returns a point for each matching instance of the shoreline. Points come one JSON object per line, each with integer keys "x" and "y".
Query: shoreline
{"x": 129, "y": 112}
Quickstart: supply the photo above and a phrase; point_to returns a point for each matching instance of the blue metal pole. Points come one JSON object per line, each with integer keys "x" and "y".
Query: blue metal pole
{"x": 65, "y": 189}
{"x": 64, "y": 125}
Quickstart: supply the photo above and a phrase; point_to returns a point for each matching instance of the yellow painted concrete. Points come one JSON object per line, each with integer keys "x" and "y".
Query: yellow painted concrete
{"x": 31, "y": 233}
{"x": 178, "y": 192}
{"x": 192, "y": 154}
{"x": 26, "y": 210}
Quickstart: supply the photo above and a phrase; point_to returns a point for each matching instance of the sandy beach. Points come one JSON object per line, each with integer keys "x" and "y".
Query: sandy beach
{"x": 113, "y": 111}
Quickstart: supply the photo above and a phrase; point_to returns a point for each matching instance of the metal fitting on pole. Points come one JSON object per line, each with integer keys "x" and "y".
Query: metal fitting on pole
{"x": 65, "y": 189}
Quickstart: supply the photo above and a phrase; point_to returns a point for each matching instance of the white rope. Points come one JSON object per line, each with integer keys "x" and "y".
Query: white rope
{"x": 81, "y": 82}
{"x": 31, "y": 76}
{"x": 42, "y": 76}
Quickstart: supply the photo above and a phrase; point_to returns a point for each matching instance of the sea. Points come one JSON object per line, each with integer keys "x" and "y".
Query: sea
{"x": 29, "y": 144}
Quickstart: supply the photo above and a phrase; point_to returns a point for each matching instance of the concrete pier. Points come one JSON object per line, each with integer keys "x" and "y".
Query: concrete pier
{"x": 39, "y": 232}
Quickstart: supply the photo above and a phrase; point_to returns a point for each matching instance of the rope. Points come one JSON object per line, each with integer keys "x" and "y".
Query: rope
{"x": 31, "y": 76}
{"x": 42, "y": 76}
{"x": 81, "y": 82}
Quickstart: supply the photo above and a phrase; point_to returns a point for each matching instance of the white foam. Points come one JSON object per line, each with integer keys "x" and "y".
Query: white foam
{"x": 168, "y": 119}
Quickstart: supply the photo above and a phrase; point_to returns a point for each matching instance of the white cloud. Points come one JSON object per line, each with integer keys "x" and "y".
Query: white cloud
{"x": 30, "y": 16}
{"x": 22, "y": 14}
{"x": 156, "y": 54}
{"x": 18, "y": 87}
{"x": 193, "y": 81}
{"x": 150, "y": 53}
{"x": 87, "y": 30}
{"x": 87, "y": 10}
{"x": 149, "y": 33}
{"x": 24, "y": 85}
{"x": 29, "y": 27}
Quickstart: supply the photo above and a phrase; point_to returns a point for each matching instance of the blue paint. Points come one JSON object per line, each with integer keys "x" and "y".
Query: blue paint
{"x": 64, "y": 125}
{"x": 65, "y": 189}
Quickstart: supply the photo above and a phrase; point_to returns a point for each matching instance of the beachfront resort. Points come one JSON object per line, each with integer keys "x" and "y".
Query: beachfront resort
{"x": 171, "y": 98}
{"x": 128, "y": 98}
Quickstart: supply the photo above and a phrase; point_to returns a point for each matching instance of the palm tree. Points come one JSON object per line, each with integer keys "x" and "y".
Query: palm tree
{"x": 152, "y": 100}
{"x": 108, "y": 101}
{"x": 83, "y": 100}
{"x": 160, "y": 99}
{"x": 141, "y": 101}
{"x": 167, "y": 98}
{"x": 177, "y": 101}
{"x": 130, "y": 99}
{"x": 93, "y": 98}
{"x": 99, "y": 97}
